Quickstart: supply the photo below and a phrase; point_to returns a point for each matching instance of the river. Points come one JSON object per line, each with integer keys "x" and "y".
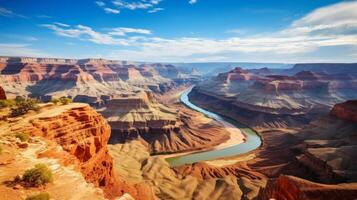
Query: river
{"x": 252, "y": 139}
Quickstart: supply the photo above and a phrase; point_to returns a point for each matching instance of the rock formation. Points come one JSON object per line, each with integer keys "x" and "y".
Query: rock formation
{"x": 237, "y": 74}
{"x": 84, "y": 134}
{"x": 46, "y": 78}
{"x": 291, "y": 188}
{"x": 2, "y": 94}
{"x": 346, "y": 111}
{"x": 132, "y": 160}
{"x": 164, "y": 129}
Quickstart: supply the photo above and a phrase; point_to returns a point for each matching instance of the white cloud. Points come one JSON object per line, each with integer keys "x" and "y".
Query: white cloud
{"x": 9, "y": 13}
{"x": 123, "y": 31}
{"x": 304, "y": 38}
{"x": 44, "y": 16}
{"x": 61, "y": 24}
{"x": 155, "y": 10}
{"x": 141, "y": 4}
{"x": 112, "y": 11}
{"x": 100, "y": 3}
{"x": 10, "y": 49}
{"x": 192, "y": 1}
{"x": 87, "y": 33}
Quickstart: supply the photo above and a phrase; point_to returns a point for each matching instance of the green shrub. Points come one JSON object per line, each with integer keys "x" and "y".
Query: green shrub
{"x": 7, "y": 103}
{"x": 19, "y": 100}
{"x": 55, "y": 101}
{"x": 65, "y": 100}
{"x": 39, "y": 175}
{"x": 41, "y": 196}
{"x": 23, "y": 136}
{"x": 24, "y": 106}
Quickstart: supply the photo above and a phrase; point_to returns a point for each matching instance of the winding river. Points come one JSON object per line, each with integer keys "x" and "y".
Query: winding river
{"x": 252, "y": 139}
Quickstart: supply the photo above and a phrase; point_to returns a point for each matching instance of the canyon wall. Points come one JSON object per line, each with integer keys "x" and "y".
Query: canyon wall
{"x": 346, "y": 111}
{"x": 84, "y": 134}
{"x": 85, "y": 80}
{"x": 164, "y": 129}
{"x": 292, "y": 188}
{"x": 2, "y": 94}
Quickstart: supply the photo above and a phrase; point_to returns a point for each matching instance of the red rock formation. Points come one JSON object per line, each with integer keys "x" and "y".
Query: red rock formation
{"x": 346, "y": 111}
{"x": 204, "y": 171}
{"x": 84, "y": 133}
{"x": 292, "y": 188}
{"x": 140, "y": 116}
{"x": 237, "y": 74}
{"x": 2, "y": 94}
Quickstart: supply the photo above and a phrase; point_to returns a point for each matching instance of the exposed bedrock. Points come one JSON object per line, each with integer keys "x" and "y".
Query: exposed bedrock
{"x": 292, "y": 188}
{"x": 258, "y": 118}
{"x": 162, "y": 128}
{"x": 84, "y": 133}
{"x": 2, "y": 94}
{"x": 86, "y": 78}
{"x": 346, "y": 111}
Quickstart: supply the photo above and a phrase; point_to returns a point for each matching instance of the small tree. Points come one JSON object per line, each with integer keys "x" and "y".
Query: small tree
{"x": 23, "y": 136}
{"x": 19, "y": 100}
{"x": 55, "y": 101}
{"x": 39, "y": 175}
{"x": 65, "y": 100}
{"x": 41, "y": 196}
{"x": 24, "y": 106}
{"x": 7, "y": 103}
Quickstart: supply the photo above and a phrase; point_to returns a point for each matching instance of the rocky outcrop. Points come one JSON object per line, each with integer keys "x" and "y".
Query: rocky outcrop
{"x": 40, "y": 77}
{"x": 330, "y": 68}
{"x": 2, "y": 94}
{"x": 84, "y": 134}
{"x": 253, "y": 116}
{"x": 302, "y": 93}
{"x": 346, "y": 111}
{"x": 163, "y": 129}
{"x": 291, "y": 188}
{"x": 237, "y": 74}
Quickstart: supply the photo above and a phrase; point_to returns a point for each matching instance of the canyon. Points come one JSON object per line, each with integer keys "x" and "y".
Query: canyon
{"x": 117, "y": 143}
{"x": 92, "y": 81}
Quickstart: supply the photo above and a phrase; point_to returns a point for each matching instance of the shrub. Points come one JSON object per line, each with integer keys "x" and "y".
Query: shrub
{"x": 39, "y": 175}
{"x": 65, "y": 100}
{"x": 24, "y": 106}
{"x": 55, "y": 101}
{"x": 41, "y": 196}
{"x": 23, "y": 136}
{"x": 19, "y": 100}
{"x": 7, "y": 103}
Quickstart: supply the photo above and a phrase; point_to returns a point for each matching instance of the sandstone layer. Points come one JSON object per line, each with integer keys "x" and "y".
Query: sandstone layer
{"x": 163, "y": 129}
{"x": 346, "y": 111}
{"x": 320, "y": 150}
{"x": 301, "y": 93}
{"x": 132, "y": 160}
{"x": 91, "y": 81}
{"x": 2, "y": 94}
{"x": 292, "y": 188}
{"x": 83, "y": 135}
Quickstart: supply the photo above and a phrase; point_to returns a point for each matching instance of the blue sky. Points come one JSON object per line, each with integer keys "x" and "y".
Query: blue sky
{"x": 182, "y": 30}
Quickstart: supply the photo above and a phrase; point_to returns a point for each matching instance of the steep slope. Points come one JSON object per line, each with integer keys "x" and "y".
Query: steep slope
{"x": 83, "y": 135}
{"x": 132, "y": 160}
{"x": 330, "y": 145}
{"x": 2, "y": 94}
{"x": 277, "y": 100}
{"x": 164, "y": 129}
{"x": 87, "y": 80}
{"x": 291, "y": 188}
